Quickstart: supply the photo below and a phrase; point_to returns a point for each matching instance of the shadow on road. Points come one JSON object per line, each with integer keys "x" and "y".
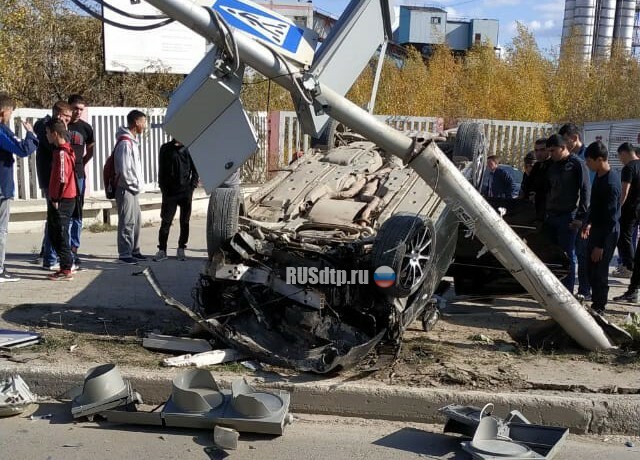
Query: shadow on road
{"x": 423, "y": 443}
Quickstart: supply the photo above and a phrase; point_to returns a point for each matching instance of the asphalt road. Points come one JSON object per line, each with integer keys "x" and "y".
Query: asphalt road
{"x": 310, "y": 437}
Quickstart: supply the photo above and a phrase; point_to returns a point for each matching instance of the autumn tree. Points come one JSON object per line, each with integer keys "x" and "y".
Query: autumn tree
{"x": 48, "y": 51}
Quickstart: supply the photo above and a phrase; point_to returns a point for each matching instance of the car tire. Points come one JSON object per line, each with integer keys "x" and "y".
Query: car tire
{"x": 330, "y": 136}
{"x": 222, "y": 217}
{"x": 471, "y": 144}
{"x": 406, "y": 244}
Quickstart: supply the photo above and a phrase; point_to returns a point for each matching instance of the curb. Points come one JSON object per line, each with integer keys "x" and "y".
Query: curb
{"x": 581, "y": 413}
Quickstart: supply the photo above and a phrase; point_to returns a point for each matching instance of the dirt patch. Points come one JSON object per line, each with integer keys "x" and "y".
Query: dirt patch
{"x": 85, "y": 335}
{"x": 471, "y": 347}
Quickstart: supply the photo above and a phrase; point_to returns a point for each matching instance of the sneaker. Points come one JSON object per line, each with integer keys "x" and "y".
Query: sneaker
{"x": 180, "y": 254}
{"x": 75, "y": 267}
{"x": 138, "y": 256}
{"x": 51, "y": 268}
{"x": 128, "y": 260}
{"x": 583, "y": 297}
{"x": 61, "y": 275}
{"x": 160, "y": 255}
{"x": 6, "y": 277}
{"x": 621, "y": 272}
{"x": 628, "y": 296}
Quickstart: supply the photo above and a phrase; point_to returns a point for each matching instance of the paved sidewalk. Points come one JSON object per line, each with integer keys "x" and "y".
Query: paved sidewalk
{"x": 103, "y": 282}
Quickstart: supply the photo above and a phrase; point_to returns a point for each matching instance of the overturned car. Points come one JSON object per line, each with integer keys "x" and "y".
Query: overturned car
{"x": 338, "y": 214}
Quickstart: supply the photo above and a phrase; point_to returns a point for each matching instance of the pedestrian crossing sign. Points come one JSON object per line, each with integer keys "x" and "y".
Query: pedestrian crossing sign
{"x": 270, "y": 28}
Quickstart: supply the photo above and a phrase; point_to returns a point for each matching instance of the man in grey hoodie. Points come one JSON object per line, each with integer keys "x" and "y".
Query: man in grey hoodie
{"x": 128, "y": 169}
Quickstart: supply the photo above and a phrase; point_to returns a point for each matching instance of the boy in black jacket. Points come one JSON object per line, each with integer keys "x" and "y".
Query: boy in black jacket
{"x": 602, "y": 224}
{"x": 177, "y": 177}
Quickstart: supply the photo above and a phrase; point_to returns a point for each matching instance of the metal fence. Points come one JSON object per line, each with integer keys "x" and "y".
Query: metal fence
{"x": 106, "y": 121}
{"x": 509, "y": 139}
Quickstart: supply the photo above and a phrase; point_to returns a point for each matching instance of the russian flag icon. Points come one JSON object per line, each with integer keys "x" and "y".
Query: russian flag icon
{"x": 384, "y": 276}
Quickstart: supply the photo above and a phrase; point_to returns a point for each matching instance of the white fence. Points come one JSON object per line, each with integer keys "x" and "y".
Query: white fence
{"x": 105, "y": 122}
{"x": 509, "y": 139}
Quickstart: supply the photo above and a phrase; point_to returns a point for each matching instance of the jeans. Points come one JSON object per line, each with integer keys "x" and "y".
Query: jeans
{"x": 170, "y": 204}
{"x": 628, "y": 221}
{"x": 583, "y": 255}
{"x": 58, "y": 226}
{"x": 557, "y": 227}
{"x": 129, "y": 221}
{"x": 599, "y": 271}
{"x": 75, "y": 226}
{"x": 5, "y": 205}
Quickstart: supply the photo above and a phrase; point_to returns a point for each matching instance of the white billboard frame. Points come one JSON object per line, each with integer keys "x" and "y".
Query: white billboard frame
{"x": 172, "y": 48}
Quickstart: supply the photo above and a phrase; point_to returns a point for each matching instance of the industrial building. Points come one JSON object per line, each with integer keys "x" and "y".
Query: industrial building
{"x": 304, "y": 14}
{"x": 423, "y": 27}
{"x": 597, "y": 24}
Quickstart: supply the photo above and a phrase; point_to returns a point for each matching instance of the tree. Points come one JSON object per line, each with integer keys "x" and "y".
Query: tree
{"x": 48, "y": 51}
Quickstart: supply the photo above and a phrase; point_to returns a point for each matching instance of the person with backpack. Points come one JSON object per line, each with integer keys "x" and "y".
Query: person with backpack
{"x": 129, "y": 180}
{"x": 177, "y": 177}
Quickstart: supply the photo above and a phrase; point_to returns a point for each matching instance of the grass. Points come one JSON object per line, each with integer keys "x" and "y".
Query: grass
{"x": 101, "y": 227}
{"x": 231, "y": 367}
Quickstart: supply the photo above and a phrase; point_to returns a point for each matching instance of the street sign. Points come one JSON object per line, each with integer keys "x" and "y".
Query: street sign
{"x": 270, "y": 28}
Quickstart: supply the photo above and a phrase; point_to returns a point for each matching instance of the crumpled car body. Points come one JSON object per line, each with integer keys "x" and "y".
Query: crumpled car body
{"x": 346, "y": 211}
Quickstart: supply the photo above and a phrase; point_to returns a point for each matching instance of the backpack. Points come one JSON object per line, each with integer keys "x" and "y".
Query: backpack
{"x": 109, "y": 172}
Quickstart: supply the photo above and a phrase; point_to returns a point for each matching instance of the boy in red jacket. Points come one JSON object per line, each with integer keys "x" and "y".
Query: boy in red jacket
{"x": 62, "y": 197}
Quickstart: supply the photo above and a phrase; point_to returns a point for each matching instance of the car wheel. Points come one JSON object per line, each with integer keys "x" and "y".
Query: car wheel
{"x": 335, "y": 134}
{"x": 406, "y": 244}
{"x": 471, "y": 144}
{"x": 222, "y": 217}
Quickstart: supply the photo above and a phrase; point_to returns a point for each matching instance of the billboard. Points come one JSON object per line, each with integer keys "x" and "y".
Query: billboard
{"x": 172, "y": 48}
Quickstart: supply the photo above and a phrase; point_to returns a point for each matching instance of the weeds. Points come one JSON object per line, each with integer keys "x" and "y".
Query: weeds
{"x": 101, "y": 227}
{"x": 632, "y": 326}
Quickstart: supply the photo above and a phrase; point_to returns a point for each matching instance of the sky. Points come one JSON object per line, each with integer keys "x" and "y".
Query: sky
{"x": 542, "y": 17}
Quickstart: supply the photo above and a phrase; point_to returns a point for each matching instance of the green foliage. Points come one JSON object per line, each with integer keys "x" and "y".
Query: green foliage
{"x": 632, "y": 326}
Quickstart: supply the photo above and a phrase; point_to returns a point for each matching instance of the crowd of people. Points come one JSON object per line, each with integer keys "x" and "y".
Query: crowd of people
{"x": 585, "y": 207}
{"x": 64, "y": 144}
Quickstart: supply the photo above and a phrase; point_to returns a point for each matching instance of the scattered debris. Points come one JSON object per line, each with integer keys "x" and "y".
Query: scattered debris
{"x": 225, "y": 438}
{"x": 251, "y": 365}
{"x": 629, "y": 444}
{"x": 72, "y": 348}
{"x": 103, "y": 389}
{"x": 215, "y": 453}
{"x": 41, "y": 417}
{"x": 179, "y": 344}
{"x": 481, "y": 338}
{"x": 11, "y": 339}
{"x": 206, "y": 358}
{"x": 15, "y": 396}
{"x": 197, "y": 402}
{"x": 494, "y": 437}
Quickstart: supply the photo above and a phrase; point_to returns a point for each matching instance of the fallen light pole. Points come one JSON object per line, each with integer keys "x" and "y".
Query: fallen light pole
{"x": 424, "y": 157}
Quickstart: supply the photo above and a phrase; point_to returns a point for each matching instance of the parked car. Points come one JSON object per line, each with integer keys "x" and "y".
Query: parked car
{"x": 516, "y": 176}
{"x": 477, "y": 272}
